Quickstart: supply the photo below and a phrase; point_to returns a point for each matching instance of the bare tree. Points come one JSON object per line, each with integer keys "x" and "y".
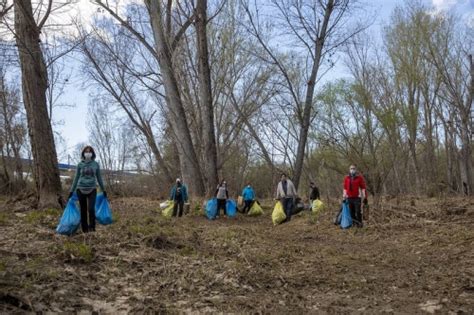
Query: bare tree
{"x": 34, "y": 85}
{"x": 205, "y": 92}
{"x": 315, "y": 28}
{"x": 109, "y": 65}
{"x": 12, "y": 134}
{"x": 166, "y": 39}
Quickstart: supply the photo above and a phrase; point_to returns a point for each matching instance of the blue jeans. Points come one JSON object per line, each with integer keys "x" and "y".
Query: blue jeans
{"x": 288, "y": 207}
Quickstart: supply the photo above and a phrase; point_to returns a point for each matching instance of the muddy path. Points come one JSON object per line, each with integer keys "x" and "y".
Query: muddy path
{"x": 414, "y": 256}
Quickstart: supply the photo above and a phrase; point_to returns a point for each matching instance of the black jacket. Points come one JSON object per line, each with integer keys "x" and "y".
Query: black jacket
{"x": 314, "y": 194}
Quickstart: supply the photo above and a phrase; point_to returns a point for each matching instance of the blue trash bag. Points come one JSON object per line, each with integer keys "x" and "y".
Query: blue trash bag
{"x": 211, "y": 208}
{"x": 346, "y": 219}
{"x": 71, "y": 218}
{"x": 103, "y": 214}
{"x": 231, "y": 208}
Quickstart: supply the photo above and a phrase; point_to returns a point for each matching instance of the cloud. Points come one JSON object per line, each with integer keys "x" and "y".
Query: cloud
{"x": 444, "y": 4}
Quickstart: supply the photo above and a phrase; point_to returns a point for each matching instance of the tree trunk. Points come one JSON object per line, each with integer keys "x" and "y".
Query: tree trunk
{"x": 34, "y": 85}
{"x": 466, "y": 151}
{"x": 156, "y": 153}
{"x": 308, "y": 104}
{"x": 189, "y": 163}
{"x": 205, "y": 94}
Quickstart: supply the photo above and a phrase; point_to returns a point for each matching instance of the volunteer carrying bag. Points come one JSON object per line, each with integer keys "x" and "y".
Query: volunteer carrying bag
{"x": 278, "y": 214}
{"x": 71, "y": 218}
{"x": 103, "y": 213}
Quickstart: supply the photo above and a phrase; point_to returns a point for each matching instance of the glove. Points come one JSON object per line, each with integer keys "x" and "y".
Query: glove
{"x": 69, "y": 196}
{"x": 365, "y": 201}
{"x": 105, "y": 194}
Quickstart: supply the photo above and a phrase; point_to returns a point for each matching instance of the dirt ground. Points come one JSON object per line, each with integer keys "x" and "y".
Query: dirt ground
{"x": 414, "y": 256}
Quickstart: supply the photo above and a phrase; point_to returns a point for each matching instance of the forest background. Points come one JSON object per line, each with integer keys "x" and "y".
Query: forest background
{"x": 239, "y": 90}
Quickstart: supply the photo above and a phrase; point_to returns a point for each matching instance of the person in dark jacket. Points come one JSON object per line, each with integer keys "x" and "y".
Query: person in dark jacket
{"x": 355, "y": 192}
{"x": 179, "y": 195}
{"x": 249, "y": 196}
{"x": 222, "y": 194}
{"x": 313, "y": 193}
{"x": 85, "y": 185}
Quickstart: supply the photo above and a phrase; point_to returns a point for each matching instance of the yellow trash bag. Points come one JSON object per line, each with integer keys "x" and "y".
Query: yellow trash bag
{"x": 255, "y": 210}
{"x": 168, "y": 211}
{"x": 317, "y": 206}
{"x": 278, "y": 214}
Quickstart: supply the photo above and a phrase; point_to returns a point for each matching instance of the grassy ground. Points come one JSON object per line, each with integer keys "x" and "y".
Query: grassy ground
{"x": 414, "y": 256}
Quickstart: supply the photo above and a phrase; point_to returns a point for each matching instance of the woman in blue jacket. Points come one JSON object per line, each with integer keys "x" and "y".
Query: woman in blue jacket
{"x": 179, "y": 195}
{"x": 249, "y": 196}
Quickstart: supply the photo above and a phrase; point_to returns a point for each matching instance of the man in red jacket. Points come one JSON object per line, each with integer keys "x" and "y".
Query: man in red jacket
{"x": 354, "y": 192}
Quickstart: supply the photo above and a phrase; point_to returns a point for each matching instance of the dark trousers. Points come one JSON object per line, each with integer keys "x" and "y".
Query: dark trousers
{"x": 356, "y": 212}
{"x": 178, "y": 208}
{"x": 247, "y": 205}
{"x": 87, "y": 203}
{"x": 288, "y": 207}
{"x": 221, "y": 203}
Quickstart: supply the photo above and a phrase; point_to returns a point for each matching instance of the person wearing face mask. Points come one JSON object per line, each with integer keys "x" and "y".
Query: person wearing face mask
{"x": 249, "y": 196}
{"x": 84, "y": 184}
{"x": 222, "y": 194}
{"x": 286, "y": 193}
{"x": 354, "y": 192}
{"x": 179, "y": 195}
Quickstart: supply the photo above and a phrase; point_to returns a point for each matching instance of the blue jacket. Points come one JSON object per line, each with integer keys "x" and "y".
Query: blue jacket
{"x": 248, "y": 193}
{"x": 184, "y": 193}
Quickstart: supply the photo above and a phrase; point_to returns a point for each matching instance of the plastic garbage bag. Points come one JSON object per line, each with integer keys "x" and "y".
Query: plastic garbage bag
{"x": 103, "y": 213}
{"x": 255, "y": 210}
{"x": 317, "y": 206}
{"x": 168, "y": 211}
{"x": 164, "y": 204}
{"x": 278, "y": 214}
{"x": 231, "y": 208}
{"x": 71, "y": 218}
{"x": 211, "y": 208}
{"x": 346, "y": 219}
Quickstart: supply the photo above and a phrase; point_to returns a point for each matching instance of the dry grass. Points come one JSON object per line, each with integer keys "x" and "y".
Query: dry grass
{"x": 413, "y": 255}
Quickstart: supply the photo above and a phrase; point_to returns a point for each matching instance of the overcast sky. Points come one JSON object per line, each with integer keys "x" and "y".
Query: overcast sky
{"x": 74, "y": 129}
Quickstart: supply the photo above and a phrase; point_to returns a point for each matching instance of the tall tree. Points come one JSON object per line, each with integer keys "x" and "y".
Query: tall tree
{"x": 166, "y": 39}
{"x": 315, "y": 31}
{"x": 164, "y": 42}
{"x": 205, "y": 93}
{"x": 34, "y": 84}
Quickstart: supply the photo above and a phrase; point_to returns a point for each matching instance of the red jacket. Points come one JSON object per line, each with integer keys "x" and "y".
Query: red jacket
{"x": 351, "y": 186}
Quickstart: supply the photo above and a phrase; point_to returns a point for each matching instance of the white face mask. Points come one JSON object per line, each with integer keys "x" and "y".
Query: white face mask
{"x": 88, "y": 155}
{"x": 353, "y": 172}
